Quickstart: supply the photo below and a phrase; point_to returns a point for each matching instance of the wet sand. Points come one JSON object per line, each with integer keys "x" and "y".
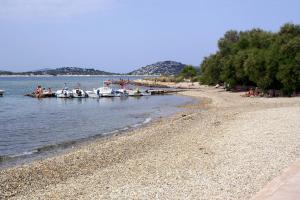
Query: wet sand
{"x": 227, "y": 147}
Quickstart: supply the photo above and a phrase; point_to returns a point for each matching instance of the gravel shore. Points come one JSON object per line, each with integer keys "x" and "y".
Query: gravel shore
{"x": 227, "y": 147}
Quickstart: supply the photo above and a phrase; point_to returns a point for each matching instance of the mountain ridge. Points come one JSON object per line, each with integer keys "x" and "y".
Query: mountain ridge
{"x": 60, "y": 71}
{"x": 160, "y": 68}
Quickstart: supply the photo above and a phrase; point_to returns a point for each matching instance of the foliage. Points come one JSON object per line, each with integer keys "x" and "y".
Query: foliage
{"x": 188, "y": 72}
{"x": 166, "y": 79}
{"x": 256, "y": 58}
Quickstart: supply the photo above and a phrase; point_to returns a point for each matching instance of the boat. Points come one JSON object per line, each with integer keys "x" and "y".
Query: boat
{"x": 92, "y": 94}
{"x": 79, "y": 93}
{"x": 63, "y": 93}
{"x": 135, "y": 92}
{"x": 1, "y": 93}
{"x": 121, "y": 93}
{"x": 105, "y": 92}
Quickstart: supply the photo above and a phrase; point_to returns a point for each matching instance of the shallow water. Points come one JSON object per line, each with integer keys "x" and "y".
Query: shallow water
{"x": 30, "y": 126}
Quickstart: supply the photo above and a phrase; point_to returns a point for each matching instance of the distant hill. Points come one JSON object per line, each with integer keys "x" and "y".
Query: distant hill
{"x": 70, "y": 71}
{"x": 6, "y": 73}
{"x": 160, "y": 68}
{"x": 60, "y": 71}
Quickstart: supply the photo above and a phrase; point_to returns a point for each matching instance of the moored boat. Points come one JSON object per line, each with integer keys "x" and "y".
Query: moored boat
{"x": 79, "y": 93}
{"x": 64, "y": 93}
{"x": 105, "y": 92}
{"x": 92, "y": 94}
{"x": 135, "y": 92}
{"x": 1, "y": 93}
{"x": 121, "y": 93}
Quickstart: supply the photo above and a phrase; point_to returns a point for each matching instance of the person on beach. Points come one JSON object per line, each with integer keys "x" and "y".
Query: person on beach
{"x": 250, "y": 93}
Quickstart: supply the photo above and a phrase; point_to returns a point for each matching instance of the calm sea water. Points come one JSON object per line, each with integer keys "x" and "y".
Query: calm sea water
{"x": 29, "y": 126}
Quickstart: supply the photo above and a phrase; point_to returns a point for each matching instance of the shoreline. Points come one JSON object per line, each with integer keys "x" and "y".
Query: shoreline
{"x": 48, "y": 75}
{"x": 46, "y": 162}
{"x": 213, "y": 153}
{"x": 53, "y": 150}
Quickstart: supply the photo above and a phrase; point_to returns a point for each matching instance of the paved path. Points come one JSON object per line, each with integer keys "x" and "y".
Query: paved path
{"x": 284, "y": 187}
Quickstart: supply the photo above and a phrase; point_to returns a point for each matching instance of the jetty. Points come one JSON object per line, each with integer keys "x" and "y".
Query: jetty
{"x": 163, "y": 92}
{"x": 33, "y": 95}
{"x": 152, "y": 84}
{"x": 165, "y": 85}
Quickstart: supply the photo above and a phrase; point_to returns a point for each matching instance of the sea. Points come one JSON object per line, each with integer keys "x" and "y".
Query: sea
{"x": 35, "y": 128}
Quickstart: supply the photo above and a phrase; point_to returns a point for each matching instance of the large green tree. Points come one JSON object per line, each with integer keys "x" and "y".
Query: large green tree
{"x": 257, "y": 58}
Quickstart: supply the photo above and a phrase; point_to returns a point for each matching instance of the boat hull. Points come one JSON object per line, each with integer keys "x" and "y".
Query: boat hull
{"x": 92, "y": 94}
{"x": 63, "y": 94}
{"x": 105, "y": 92}
{"x": 78, "y": 93}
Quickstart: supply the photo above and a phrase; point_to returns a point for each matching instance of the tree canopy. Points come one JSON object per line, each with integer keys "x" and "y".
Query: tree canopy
{"x": 188, "y": 72}
{"x": 256, "y": 58}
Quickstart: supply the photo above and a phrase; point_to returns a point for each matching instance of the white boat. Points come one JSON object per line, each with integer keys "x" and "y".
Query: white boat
{"x": 64, "y": 93}
{"x": 92, "y": 94}
{"x": 78, "y": 93}
{"x": 135, "y": 92}
{"x": 1, "y": 93}
{"x": 121, "y": 93}
{"x": 105, "y": 92}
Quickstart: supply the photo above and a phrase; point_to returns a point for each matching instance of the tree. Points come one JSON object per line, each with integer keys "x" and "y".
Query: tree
{"x": 256, "y": 58}
{"x": 211, "y": 69}
{"x": 289, "y": 75}
{"x": 189, "y": 72}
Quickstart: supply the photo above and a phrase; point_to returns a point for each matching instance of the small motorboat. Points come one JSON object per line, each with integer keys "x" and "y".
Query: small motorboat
{"x": 92, "y": 94}
{"x": 121, "y": 93}
{"x": 1, "y": 93}
{"x": 63, "y": 93}
{"x": 105, "y": 92}
{"x": 134, "y": 93}
{"x": 79, "y": 93}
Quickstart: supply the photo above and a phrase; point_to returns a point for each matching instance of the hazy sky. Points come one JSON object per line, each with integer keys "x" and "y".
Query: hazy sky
{"x": 121, "y": 35}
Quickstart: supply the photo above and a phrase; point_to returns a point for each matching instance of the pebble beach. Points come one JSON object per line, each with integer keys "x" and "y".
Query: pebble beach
{"x": 224, "y": 147}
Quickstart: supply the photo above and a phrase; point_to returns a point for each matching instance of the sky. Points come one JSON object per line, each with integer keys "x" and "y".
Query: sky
{"x": 122, "y": 35}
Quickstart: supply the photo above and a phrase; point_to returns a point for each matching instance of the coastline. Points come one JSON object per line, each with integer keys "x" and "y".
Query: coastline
{"x": 48, "y": 75}
{"x": 52, "y": 150}
{"x": 228, "y": 151}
